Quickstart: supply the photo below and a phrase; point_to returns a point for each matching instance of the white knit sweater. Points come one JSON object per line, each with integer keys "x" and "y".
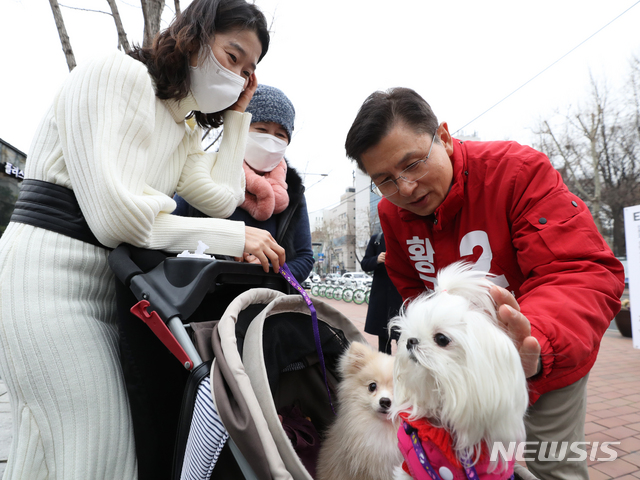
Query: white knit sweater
{"x": 123, "y": 152}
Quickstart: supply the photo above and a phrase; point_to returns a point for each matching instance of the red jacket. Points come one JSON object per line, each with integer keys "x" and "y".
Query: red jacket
{"x": 510, "y": 213}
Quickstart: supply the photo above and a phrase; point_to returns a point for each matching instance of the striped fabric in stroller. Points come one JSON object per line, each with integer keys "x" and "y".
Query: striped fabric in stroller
{"x": 207, "y": 437}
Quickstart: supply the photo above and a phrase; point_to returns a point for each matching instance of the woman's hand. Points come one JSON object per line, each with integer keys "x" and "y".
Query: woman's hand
{"x": 261, "y": 245}
{"x": 245, "y": 97}
{"x": 382, "y": 257}
{"x": 249, "y": 258}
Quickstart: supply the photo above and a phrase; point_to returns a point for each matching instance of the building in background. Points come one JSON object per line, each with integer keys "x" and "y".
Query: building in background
{"x": 12, "y": 163}
{"x": 334, "y": 236}
{"x": 367, "y": 221}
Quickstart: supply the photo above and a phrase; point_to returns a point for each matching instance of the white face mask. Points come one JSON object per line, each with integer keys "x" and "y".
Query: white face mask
{"x": 264, "y": 151}
{"x": 213, "y": 86}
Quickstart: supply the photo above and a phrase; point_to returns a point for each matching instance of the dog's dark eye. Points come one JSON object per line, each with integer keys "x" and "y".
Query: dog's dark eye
{"x": 441, "y": 339}
{"x": 372, "y": 387}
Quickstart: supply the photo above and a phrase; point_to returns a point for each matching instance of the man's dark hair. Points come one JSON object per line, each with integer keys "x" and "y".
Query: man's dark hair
{"x": 168, "y": 58}
{"x": 380, "y": 112}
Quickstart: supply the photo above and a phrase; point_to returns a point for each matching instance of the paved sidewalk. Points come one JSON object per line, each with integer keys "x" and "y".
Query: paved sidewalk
{"x": 613, "y": 410}
{"x": 613, "y": 407}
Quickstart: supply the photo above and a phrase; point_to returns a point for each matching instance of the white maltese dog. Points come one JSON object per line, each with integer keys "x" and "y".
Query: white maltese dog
{"x": 459, "y": 386}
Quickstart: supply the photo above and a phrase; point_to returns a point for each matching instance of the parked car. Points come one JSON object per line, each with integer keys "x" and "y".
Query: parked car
{"x": 315, "y": 278}
{"x": 332, "y": 278}
{"x": 307, "y": 284}
{"x": 356, "y": 280}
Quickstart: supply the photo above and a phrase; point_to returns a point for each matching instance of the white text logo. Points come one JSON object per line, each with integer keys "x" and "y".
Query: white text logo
{"x": 554, "y": 451}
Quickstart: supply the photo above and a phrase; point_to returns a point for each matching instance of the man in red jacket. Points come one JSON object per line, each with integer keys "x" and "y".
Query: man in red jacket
{"x": 503, "y": 207}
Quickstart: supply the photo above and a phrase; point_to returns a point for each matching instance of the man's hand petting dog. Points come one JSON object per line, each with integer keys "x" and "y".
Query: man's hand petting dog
{"x": 519, "y": 328}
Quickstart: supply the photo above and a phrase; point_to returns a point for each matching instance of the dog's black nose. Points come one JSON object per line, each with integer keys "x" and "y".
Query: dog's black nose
{"x": 385, "y": 403}
{"x": 412, "y": 343}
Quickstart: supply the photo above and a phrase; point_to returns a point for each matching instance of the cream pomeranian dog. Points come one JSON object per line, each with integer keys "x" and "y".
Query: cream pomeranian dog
{"x": 361, "y": 444}
{"x": 459, "y": 385}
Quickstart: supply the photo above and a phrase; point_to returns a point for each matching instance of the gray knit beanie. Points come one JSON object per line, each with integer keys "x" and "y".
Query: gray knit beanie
{"x": 269, "y": 104}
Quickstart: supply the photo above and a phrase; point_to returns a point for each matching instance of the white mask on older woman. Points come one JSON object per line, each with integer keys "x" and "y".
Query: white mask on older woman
{"x": 213, "y": 86}
{"x": 264, "y": 151}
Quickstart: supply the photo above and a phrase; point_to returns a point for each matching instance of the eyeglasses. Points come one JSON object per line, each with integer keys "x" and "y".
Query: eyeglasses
{"x": 411, "y": 174}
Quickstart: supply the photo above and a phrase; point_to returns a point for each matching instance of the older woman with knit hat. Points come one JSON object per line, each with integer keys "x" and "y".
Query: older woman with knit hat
{"x": 274, "y": 196}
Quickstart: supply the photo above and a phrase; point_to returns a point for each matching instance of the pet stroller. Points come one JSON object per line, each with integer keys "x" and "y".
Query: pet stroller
{"x": 259, "y": 376}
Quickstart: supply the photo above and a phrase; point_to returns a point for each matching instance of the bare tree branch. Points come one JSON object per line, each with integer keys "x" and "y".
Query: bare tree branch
{"x": 85, "y": 9}
{"x": 214, "y": 142}
{"x": 273, "y": 19}
{"x": 597, "y": 150}
{"x": 131, "y": 4}
{"x": 564, "y": 153}
{"x": 62, "y": 33}
{"x": 152, "y": 13}
{"x": 123, "y": 43}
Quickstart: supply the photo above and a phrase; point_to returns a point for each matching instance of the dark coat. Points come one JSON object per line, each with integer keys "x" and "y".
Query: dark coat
{"x": 384, "y": 299}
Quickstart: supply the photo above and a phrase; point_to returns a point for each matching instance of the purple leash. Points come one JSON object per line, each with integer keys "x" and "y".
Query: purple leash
{"x": 286, "y": 273}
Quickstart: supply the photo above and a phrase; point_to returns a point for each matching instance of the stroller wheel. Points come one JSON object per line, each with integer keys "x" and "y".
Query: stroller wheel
{"x": 358, "y": 297}
{"x": 347, "y": 295}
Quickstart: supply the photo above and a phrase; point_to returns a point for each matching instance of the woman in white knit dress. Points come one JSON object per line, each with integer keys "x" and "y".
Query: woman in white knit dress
{"x": 116, "y": 138}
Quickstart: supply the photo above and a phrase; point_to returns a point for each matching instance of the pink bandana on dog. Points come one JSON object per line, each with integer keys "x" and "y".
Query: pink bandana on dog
{"x": 429, "y": 455}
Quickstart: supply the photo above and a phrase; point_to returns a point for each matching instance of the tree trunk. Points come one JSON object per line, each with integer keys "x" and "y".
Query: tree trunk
{"x": 123, "y": 43}
{"x": 597, "y": 189}
{"x": 62, "y": 32}
{"x": 151, "y": 11}
{"x": 619, "y": 241}
{"x": 177, "y": 4}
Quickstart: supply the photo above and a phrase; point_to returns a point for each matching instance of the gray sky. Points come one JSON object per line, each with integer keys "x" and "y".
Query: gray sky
{"x": 461, "y": 56}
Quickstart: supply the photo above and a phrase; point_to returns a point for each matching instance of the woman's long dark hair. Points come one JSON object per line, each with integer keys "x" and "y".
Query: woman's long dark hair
{"x": 168, "y": 58}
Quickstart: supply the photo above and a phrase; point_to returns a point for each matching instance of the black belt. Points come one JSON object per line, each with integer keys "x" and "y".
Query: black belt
{"x": 52, "y": 207}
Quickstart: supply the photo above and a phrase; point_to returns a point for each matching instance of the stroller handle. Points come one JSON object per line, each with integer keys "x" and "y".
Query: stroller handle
{"x": 122, "y": 264}
{"x": 175, "y": 286}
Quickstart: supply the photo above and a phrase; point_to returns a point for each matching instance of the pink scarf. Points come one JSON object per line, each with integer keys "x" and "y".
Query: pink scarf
{"x": 266, "y": 193}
